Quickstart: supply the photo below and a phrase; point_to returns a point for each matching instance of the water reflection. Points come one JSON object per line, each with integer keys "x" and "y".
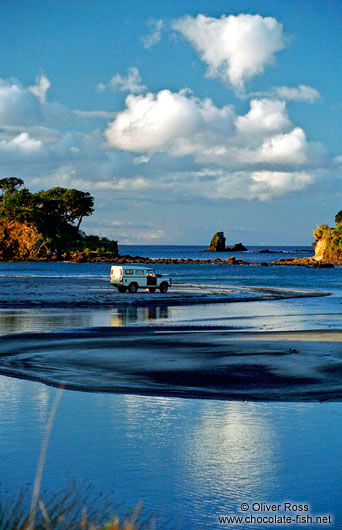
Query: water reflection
{"x": 124, "y": 316}
{"x": 232, "y": 455}
{"x": 20, "y": 320}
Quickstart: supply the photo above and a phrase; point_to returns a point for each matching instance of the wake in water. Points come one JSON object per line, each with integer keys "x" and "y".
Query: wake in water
{"x": 201, "y": 362}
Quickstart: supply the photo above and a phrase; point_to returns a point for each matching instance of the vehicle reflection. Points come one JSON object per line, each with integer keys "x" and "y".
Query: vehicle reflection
{"x": 124, "y": 316}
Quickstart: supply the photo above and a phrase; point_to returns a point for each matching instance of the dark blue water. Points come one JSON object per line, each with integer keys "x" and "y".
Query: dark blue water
{"x": 190, "y": 460}
{"x": 197, "y": 252}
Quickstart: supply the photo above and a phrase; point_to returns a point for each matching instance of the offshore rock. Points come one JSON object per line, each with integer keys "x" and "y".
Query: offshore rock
{"x": 238, "y": 247}
{"x": 218, "y": 243}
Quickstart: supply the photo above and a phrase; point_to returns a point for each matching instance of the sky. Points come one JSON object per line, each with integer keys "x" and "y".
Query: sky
{"x": 181, "y": 118}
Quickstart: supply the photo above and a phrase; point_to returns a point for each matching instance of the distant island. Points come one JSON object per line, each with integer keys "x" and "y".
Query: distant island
{"x": 46, "y": 225}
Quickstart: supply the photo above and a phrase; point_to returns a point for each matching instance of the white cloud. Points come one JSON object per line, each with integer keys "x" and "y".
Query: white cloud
{"x": 181, "y": 124}
{"x": 301, "y": 93}
{"x": 40, "y": 88}
{"x": 235, "y": 48}
{"x": 155, "y": 33}
{"x": 288, "y": 148}
{"x": 174, "y": 143}
{"x": 167, "y": 121}
{"x": 18, "y": 106}
{"x": 259, "y": 154}
{"x": 95, "y": 114}
{"x": 266, "y": 116}
{"x": 267, "y": 184}
{"x": 130, "y": 83}
{"x": 22, "y": 144}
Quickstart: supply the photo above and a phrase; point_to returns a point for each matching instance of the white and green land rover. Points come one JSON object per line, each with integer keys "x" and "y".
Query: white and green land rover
{"x": 132, "y": 277}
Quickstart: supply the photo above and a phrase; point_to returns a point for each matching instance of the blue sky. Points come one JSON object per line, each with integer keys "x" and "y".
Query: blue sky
{"x": 182, "y": 118}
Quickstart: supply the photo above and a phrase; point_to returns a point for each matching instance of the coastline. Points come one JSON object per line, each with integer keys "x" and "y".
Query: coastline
{"x": 311, "y": 261}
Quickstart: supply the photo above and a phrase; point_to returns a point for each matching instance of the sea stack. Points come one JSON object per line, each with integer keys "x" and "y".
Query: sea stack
{"x": 218, "y": 244}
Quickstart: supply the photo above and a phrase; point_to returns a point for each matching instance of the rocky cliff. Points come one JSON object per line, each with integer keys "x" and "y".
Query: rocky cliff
{"x": 24, "y": 242}
{"x": 19, "y": 241}
{"x": 328, "y": 244}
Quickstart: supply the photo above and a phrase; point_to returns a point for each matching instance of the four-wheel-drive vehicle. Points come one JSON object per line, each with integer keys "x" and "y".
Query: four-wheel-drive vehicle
{"x": 131, "y": 278}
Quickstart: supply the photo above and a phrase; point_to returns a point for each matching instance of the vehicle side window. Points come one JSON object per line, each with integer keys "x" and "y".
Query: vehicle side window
{"x": 139, "y": 272}
{"x": 128, "y": 272}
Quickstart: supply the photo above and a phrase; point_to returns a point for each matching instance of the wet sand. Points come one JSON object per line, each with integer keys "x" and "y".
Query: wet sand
{"x": 187, "y": 362}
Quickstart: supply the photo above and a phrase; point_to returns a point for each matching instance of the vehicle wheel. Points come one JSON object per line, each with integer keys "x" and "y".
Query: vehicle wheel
{"x": 122, "y": 289}
{"x": 133, "y": 287}
{"x": 164, "y": 287}
{"x": 152, "y": 289}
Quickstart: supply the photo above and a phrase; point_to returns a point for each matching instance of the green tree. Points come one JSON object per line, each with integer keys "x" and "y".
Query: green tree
{"x": 8, "y": 186}
{"x": 338, "y": 217}
{"x": 77, "y": 204}
{"x": 65, "y": 205}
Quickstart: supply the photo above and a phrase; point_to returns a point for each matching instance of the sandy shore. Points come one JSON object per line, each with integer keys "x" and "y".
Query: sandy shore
{"x": 184, "y": 362}
{"x": 65, "y": 292}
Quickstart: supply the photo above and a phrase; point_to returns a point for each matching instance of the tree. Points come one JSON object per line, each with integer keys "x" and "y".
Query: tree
{"x": 65, "y": 205}
{"x": 10, "y": 185}
{"x": 338, "y": 217}
{"x": 77, "y": 204}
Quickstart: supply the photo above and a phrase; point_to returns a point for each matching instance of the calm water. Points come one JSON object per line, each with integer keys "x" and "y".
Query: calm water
{"x": 191, "y": 460}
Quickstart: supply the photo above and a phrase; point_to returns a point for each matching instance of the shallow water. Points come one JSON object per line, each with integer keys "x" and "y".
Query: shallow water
{"x": 190, "y": 459}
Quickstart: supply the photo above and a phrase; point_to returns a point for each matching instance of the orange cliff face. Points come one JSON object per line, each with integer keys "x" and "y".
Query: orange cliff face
{"x": 325, "y": 248}
{"x": 21, "y": 241}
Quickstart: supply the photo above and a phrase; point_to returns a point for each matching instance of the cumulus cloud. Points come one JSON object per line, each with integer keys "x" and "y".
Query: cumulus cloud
{"x": 258, "y": 154}
{"x": 181, "y": 124}
{"x": 129, "y": 83}
{"x": 266, "y": 116}
{"x": 235, "y": 48}
{"x": 167, "y": 121}
{"x": 262, "y": 185}
{"x": 18, "y": 106}
{"x": 155, "y": 33}
{"x": 21, "y": 144}
{"x": 172, "y": 142}
{"x": 40, "y": 88}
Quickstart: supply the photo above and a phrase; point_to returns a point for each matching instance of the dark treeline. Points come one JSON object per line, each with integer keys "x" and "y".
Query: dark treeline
{"x": 57, "y": 213}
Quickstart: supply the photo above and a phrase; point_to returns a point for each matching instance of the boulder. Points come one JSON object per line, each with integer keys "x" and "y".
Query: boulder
{"x": 238, "y": 247}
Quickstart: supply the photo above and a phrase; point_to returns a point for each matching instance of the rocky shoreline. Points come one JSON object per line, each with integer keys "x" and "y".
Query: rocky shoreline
{"x": 304, "y": 262}
{"x": 82, "y": 257}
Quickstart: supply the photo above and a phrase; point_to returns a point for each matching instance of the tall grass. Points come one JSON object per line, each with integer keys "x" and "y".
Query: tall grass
{"x": 72, "y": 508}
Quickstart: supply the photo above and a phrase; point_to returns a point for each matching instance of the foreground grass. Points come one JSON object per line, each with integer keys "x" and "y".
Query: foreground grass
{"x": 72, "y": 508}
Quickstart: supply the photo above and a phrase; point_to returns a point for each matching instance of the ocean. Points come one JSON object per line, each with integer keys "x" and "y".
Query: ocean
{"x": 189, "y": 460}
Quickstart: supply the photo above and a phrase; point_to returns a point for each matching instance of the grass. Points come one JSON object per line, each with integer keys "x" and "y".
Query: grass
{"x": 72, "y": 508}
